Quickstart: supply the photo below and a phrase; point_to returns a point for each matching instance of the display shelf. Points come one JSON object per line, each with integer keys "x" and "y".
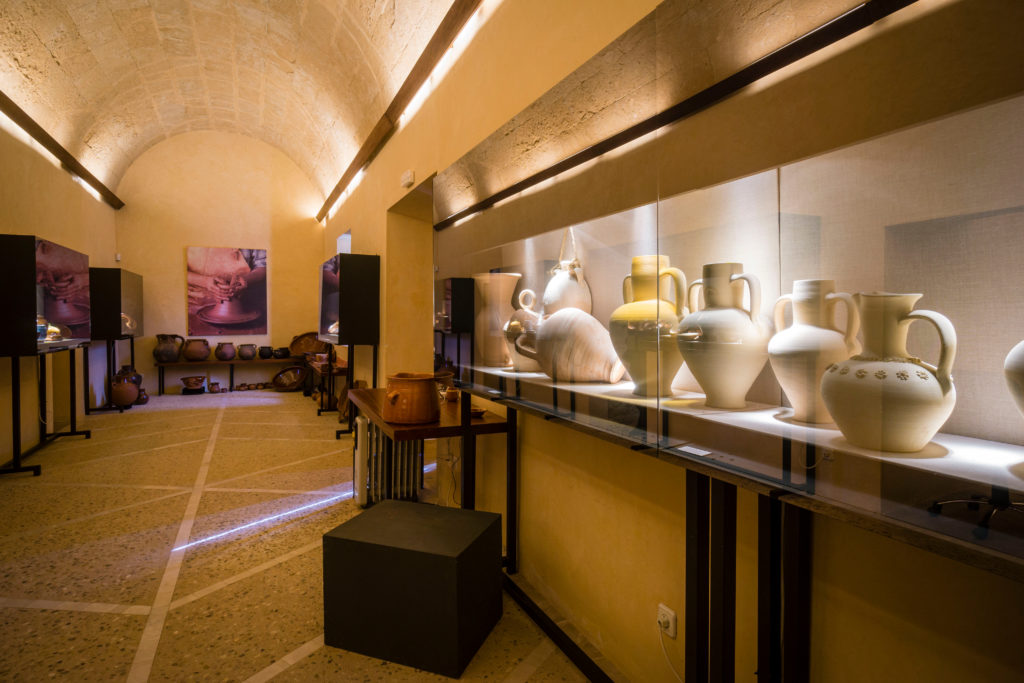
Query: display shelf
{"x": 761, "y": 446}
{"x": 254, "y": 362}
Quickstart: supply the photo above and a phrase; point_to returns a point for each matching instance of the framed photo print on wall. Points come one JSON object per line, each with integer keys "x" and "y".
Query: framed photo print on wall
{"x": 227, "y": 290}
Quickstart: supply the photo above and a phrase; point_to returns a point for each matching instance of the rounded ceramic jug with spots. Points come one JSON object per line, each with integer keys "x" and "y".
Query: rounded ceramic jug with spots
{"x": 884, "y": 398}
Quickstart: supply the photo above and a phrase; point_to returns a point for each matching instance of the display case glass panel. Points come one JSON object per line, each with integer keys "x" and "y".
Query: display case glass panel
{"x": 116, "y": 296}
{"x": 786, "y": 379}
{"x": 328, "y": 327}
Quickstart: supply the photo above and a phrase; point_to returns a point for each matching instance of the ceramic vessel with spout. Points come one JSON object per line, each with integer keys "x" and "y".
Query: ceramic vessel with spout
{"x": 724, "y": 345}
{"x": 799, "y": 354}
{"x": 567, "y": 288}
{"x": 642, "y": 328}
{"x": 524, "y": 321}
{"x": 168, "y": 347}
{"x": 494, "y": 292}
{"x": 572, "y": 346}
{"x": 884, "y": 398}
{"x": 196, "y": 350}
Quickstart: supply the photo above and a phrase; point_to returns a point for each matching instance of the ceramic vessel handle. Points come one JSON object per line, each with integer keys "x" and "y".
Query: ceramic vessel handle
{"x": 181, "y": 340}
{"x": 754, "y": 285}
{"x": 627, "y": 289}
{"x": 852, "y": 317}
{"x": 679, "y": 282}
{"x": 690, "y": 298}
{"x": 780, "y": 310}
{"x": 528, "y": 351}
{"x": 527, "y": 298}
{"x": 392, "y": 397}
{"x": 947, "y": 337}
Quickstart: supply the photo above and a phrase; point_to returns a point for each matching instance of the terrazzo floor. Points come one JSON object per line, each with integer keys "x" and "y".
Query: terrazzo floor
{"x": 92, "y": 588}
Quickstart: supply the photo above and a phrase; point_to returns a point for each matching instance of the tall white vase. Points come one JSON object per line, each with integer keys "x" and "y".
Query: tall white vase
{"x": 883, "y": 398}
{"x": 723, "y": 344}
{"x": 800, "y": 353}
{"x": 494, "y": 292}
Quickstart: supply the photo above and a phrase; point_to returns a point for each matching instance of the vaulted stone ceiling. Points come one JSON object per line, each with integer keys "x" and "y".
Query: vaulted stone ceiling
{"x": 110, "y": 78}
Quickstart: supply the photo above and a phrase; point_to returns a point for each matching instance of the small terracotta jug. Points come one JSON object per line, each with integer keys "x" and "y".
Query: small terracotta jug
{"x": 168, "y": 347}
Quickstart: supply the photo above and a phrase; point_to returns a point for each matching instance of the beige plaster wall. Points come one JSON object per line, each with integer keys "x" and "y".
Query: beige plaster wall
{"x": 38, "y": 198}
{"x": 472, "y": 100}
{"x": 219, "y": 190}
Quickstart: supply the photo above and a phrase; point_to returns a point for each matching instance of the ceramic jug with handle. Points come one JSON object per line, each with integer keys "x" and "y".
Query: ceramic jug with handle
{"x": 724, "y": 345}
{"x": 884, "y": 398}
{"x": 642, "y": 328}
{"x": 168, "y": 347}
{"x": 800, "y": 353}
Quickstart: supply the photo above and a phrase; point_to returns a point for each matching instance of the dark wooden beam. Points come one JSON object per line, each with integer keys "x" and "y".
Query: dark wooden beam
{"x": 845, "y": 25}
{"x": 447, "y": 30}
{"x": 67, "y": 160}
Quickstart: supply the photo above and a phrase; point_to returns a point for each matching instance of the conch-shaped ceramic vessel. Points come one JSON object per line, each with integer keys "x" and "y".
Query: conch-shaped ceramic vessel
{"x": 1013, "y": 370}
{"x": 643, "y": 327}
{"x": 724, "y": 345}
{"x": 799, "y": 354}
{"x": 883, "y": 398}
{"x": 572, "y": 346}
{"x": 494, "y": 292}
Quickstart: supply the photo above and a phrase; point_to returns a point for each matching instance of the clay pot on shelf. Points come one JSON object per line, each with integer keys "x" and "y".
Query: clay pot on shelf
{"x": 266, "y": 352}
{"x": 196, "y": 350}
{"x": 494, "y": 291}
{"x": 724, "y": 345}
{"x": 411, "y": 398}
{"x": 123, "y": 391}
{"x": 195, "y": 382}
{"x": 1013, "y": 370}
{"x": 168, "y": 347}
{"x": 800, "y": 353}
{"x": 572, "y": 346}
{"x": 225, "y": 351}
{"x": 247, "y": 351}
{"x": 883, "y": 398}
{"x": 642, "y": 327}
{"x": 214, "y": 388}
{"x": 282, "y": 352}
{"x": 567, "y": 288}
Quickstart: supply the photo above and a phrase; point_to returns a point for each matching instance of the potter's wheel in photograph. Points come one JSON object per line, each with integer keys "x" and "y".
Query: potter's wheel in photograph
{"x": 67, "y": 313}
{"x": 210, "y": 314}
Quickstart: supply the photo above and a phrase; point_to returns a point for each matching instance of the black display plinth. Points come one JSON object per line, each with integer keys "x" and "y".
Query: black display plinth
{"x": 191, "y": 392}
{"x": 413, "y": 583}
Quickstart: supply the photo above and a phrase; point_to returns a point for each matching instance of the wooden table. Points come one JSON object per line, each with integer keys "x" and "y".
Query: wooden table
{"x": 326, "y": 372}
{"x": 394, "y": 454}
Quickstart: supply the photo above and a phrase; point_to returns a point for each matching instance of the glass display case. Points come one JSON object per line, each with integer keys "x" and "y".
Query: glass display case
{"x": 116, "y": 296}
{"x": 844, "y": 327}
{"x": 350, "y": 300}
{"x": 46, "y": 288}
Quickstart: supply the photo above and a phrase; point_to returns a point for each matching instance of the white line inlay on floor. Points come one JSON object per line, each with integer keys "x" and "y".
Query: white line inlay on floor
{"x": 290, "y": 659}
{"x": 142, "y": 665}
{"x": 69, "y": 606}
{"x": 533, "y": 661}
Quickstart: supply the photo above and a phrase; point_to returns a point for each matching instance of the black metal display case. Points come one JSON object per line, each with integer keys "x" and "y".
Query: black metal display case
{"x": 42, "y": 280}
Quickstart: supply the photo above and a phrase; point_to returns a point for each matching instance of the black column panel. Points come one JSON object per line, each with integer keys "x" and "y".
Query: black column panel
{"x": 359, "y": 300}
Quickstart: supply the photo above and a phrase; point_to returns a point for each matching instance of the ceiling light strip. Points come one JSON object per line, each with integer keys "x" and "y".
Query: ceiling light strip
{"x": 447, "y": 31}
{"x": 847, "y": 24}
{"x": 69, "y": 162}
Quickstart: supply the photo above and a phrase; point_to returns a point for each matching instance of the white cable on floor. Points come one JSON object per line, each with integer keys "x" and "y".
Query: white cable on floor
{"x": 661, "y": 639}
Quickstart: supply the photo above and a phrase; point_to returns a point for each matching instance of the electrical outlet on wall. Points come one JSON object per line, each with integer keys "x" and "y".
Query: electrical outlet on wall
{"x": 667, "y": 620}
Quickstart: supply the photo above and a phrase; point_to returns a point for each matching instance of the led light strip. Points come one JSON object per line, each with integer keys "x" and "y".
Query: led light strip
{"x": 344, "y": 496}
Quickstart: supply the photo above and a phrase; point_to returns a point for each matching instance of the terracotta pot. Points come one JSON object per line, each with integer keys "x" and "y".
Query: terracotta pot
{"x": 123, "y": 392}
{"x": 168, "y": 347}
{"x": 411, "y": 398}
{"x": 143, "y": 398}
{"x": 225, "y": 351}
{"x": 883, "y": 398}
{"x": 195, "y": 382}
{"x": 642, "y": 327}
{"x": 281, "y": 352}
{"x": 196, "y": 350}
{"x": 247, "y": 351}
{"x": 266, "y": 352}
{"x": 129, "y": 373}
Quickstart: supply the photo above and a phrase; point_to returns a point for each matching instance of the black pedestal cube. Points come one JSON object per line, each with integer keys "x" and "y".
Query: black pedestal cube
{"x": 412, "y": 583}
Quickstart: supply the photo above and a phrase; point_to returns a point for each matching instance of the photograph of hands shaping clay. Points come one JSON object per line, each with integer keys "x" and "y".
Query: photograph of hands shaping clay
{"x": 493, "y": 340}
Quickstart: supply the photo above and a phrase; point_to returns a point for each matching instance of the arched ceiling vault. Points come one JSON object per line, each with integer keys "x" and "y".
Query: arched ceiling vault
{"x": 110, "y": 78}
